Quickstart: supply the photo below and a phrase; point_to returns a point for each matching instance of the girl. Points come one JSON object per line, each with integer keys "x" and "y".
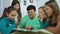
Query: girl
{"x": 7, "y": 22}
{"x": 43, "y": 17}
{"x": 16, "y": 5}
{"x": 52, "y": 11}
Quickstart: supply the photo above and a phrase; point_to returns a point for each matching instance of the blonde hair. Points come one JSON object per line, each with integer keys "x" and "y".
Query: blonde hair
{"x": 43, "y": 8}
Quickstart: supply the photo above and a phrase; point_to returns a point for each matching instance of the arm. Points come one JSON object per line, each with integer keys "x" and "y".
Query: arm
{"x": 57, "y": 28}
{"x": 4, "y": 28}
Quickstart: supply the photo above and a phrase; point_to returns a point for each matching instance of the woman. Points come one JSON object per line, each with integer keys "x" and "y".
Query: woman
{"x": 52, "y": 10}
{"x": 16, "y": 5}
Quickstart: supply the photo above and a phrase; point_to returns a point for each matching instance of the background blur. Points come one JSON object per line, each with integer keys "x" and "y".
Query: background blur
{"x": 23, "y": 5}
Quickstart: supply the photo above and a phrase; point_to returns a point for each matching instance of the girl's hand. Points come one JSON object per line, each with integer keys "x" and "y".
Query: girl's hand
{"x": 18, "y": 26}
{"x": 42, "y": 17}
{"x": 29, "y": 28}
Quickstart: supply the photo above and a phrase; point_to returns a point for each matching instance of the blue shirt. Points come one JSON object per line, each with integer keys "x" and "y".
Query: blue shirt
{"x": 6, "y": 25}
{"x": 43, "y": 25}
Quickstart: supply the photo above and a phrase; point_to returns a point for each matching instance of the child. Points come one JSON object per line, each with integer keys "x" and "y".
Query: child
{"x": 16, "y": 5}
{"x": 7, "y": 22}
{"x": 30, "y": 21}
{"x": 42, "y": 17}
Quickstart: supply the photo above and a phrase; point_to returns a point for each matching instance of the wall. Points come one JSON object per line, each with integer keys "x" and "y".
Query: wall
{"x": 37, "y": 3}
{"x": 3, "y": 4}
{"x": 1, "y": 7}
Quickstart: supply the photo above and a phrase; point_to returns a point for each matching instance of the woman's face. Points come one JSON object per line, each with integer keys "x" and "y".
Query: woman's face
{"x": 49, "y": 11}
{"x": 16, "y": 6}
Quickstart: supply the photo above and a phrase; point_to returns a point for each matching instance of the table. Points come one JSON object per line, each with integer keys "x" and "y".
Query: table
{"x": 41, "y": 31}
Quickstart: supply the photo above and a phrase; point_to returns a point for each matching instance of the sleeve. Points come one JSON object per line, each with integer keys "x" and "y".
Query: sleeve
{"x": 4, "y": 28}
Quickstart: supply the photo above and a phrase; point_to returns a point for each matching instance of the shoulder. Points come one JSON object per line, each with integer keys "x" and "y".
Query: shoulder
{"x": 3, "y": 20}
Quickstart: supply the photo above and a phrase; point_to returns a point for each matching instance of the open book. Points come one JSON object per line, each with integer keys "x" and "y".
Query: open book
{"x": 40, "y": 30}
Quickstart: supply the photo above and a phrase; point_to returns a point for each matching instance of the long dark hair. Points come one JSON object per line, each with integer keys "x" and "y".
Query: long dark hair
{"x": 14, "y": 2}
{"x": 7, "y": 10}
{"x": 54, "y": 6}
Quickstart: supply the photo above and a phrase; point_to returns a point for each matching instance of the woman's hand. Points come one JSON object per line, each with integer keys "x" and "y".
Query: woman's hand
{"x": 52, "y": 29}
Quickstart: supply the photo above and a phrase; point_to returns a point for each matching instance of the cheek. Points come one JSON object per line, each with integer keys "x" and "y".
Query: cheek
{"x": 17, "y": 8}
{"x": 10, "y": 16}
{"x": 48, "y": 12}
{"x": 51, "y": 13}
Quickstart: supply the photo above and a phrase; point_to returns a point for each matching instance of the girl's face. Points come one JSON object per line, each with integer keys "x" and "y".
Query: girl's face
{"x": 16, "y": 6}
{"x": 11, "y": 15}
{"x": 41, "y": 13}
{"x": 49, "y": 11}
